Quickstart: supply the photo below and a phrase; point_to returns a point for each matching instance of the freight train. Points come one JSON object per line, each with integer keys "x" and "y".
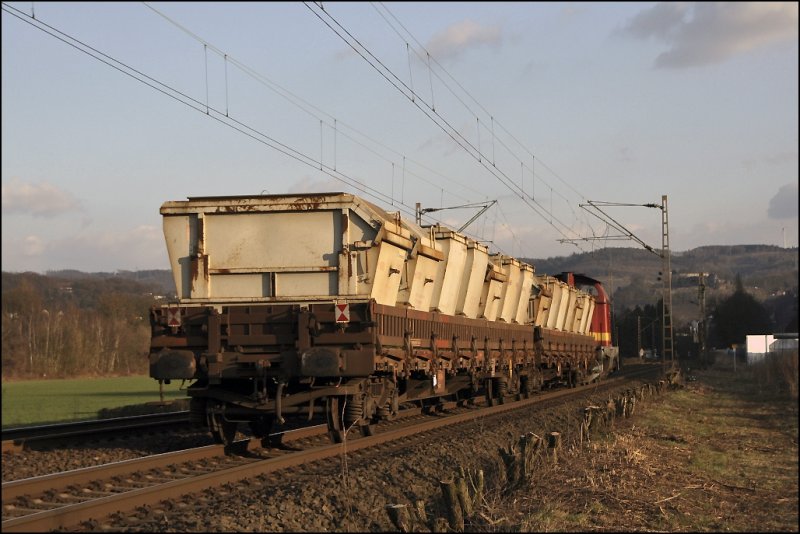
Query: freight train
{"x": 325, "y": 304}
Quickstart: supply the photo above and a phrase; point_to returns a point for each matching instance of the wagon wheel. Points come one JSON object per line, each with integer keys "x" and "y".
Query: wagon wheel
{"x": 368, "y": 429}
{"x": 501, "y": 385}
{"x": 524, "y": 387}
{"x": 516, "y": 386}
{"x": 261, "y": 426}
{"x": 388, "y": 412}
{"x": 215, "y": 434}
{"x": 356, "y": 412}
{"x": 222, "y": 430}
{"x": 333, "y": 412}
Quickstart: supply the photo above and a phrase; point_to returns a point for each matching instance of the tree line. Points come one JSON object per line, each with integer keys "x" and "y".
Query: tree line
{"x": 54, "y": 327}
{"x": 729, "y": 320}
{"x": 64, "y": 326}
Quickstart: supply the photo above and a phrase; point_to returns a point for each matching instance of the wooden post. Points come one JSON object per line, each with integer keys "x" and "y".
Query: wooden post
{"x": 620, "y": 406}
{"x": 611, "y": 410}
{"x": 463, "y": 497}
{"x": 454, "y": 516}
{"x": 530, "y": 446}
{"x": 509, "y": 456}
{"x": 590, "y": 415}
{"x": 554, "y": 443}
{"x": 440, "y": 525}
{"x": 587, "y": 421}
{"x": 419, "y": 507}
{"x": 478, "y": 498}
{"x": 400, "y": 517}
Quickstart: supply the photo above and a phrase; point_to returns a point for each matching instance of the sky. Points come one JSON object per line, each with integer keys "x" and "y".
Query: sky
{"x": 554, "y": 110}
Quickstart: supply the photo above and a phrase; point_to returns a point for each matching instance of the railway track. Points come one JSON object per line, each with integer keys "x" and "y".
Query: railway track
{"x": 16, "y": 439}
{"x": 64, "y": 500}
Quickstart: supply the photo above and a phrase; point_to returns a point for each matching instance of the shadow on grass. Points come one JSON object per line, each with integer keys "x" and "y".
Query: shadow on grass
{"x": 154, "y": 395}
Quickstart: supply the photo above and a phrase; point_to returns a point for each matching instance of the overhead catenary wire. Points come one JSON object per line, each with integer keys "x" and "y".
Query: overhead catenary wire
{"x": 305, "y": 105}
{"x": 613, "y": 223}
{"x": 404, "y": 89}
{"x": 478, "y": 153}
{"x": 468, "y": 94}
{"x": 196, "y": 104}
{"x": 333, "y": 122}
{"x": 224, "y": 116}
{"x": 208, "y": 110}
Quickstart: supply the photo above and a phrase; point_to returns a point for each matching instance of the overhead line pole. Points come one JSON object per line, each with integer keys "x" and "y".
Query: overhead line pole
{"x": 667, "y": 352}
{"x": 701, "y": 290}
{"x": 666, "y": 300}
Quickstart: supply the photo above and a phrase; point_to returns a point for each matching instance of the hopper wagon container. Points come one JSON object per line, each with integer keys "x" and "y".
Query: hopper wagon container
{"x": 326, "y": 304}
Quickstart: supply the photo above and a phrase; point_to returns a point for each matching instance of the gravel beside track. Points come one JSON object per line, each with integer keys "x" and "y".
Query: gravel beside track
{"x": 44, "y": 460}
{"x": 349, "y": 493}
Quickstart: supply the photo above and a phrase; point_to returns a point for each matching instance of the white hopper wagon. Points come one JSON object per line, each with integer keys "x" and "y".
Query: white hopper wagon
{"x": 285, "y": 300}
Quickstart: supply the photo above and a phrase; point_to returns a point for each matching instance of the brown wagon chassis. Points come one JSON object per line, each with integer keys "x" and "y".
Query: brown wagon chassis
{"x": 257, "y": 363}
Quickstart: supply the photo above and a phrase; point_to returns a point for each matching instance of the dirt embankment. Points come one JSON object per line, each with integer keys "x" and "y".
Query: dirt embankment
{"x": 719, "y": 454}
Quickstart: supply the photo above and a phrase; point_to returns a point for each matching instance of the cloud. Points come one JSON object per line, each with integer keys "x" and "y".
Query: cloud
{"x": 777, "y": 159}
{"x": 39, "y": 200}
{"x": 137, "y": 248}
{"x": 711, "y": 32}
{"x": 453, "y": 41}
{"x": 660, "y": 21}
{"x": 32, "y": 246}
{"x": 784, "y": 204}
{"x": 625, "y": 154}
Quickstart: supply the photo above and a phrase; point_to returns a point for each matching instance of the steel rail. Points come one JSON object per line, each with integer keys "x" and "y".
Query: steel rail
{"x": 72, "y": 514}
{"x": 14, "y": 439}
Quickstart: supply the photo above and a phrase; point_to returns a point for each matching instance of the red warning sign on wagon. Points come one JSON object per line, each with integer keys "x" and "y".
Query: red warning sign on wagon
{"x": 173, "y": 316}
{"x": 342, "y": 312}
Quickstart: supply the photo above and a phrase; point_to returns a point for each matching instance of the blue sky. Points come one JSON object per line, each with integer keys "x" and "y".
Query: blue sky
{"x": 541, "y": 106}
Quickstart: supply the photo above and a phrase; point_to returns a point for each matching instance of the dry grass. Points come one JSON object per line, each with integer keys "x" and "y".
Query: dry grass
{"x": 720, "y": 454}
{"x": 778, "y": 372}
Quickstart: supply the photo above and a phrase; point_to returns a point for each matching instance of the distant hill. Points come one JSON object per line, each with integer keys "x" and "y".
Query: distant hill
{"x": 158, "y": 279}
{"x": 630, "y": 275}
{"x": 758, "y": 265}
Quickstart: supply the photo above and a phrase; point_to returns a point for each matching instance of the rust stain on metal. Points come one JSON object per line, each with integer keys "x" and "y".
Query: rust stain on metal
{"x": 194, "y": 269}
{"x": 349, "y": 263}
{"x": 193, "y": 272}
{"x": 200, "y": 236}
{"x": 345, "y": 245}
{"x": 309, "y": 203}
{"x": 236, "y": 208}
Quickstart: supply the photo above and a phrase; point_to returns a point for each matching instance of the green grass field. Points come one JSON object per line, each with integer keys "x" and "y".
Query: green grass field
{"x": 36, "y": 402}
